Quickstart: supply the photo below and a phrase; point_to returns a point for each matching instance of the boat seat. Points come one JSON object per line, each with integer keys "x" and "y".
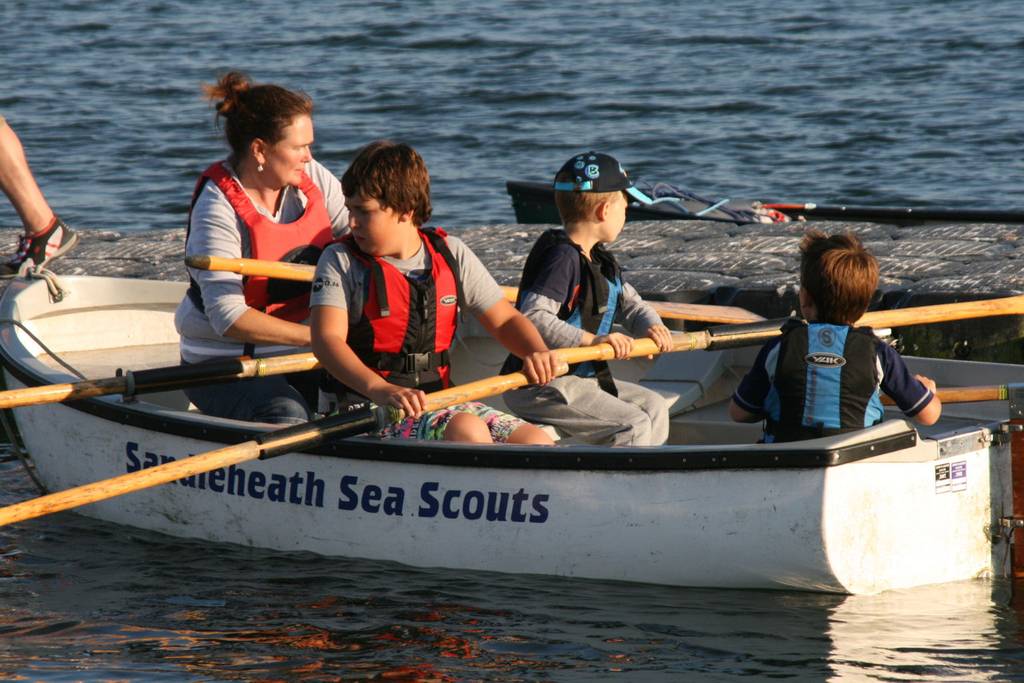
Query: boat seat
{"x": 711, "y": 424}
{"x": 684, "y": 378}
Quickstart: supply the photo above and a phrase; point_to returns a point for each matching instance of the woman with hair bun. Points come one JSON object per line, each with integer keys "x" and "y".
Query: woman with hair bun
{"x": 269, "y": 199}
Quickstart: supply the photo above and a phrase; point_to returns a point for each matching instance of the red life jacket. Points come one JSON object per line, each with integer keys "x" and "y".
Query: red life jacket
{"x": 300, "y": 241}
{"x": 407, "y": 325}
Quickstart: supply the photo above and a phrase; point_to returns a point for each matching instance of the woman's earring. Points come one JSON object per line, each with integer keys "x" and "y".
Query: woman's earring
{"x": 259, "y": 167}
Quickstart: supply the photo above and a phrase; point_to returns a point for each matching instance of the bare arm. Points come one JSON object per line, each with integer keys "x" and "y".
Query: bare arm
{"x": 930, "y": 414}
{"x": 256, "y": 327}
{"x": 518, "y": 335}
{"x": 329, "y": 334}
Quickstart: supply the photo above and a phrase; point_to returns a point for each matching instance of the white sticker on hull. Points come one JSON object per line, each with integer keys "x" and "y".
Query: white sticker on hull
{"x": 951, "y": 477}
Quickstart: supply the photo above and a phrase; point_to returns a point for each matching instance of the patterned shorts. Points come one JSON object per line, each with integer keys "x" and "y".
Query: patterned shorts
{"x": 430, "y": 426}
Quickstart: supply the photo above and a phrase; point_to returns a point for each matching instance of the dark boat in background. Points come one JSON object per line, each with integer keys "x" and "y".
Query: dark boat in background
{"x": 534, "y": 202}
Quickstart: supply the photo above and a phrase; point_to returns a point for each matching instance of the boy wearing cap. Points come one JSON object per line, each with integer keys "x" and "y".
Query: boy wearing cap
{"x": 573, "y": 291}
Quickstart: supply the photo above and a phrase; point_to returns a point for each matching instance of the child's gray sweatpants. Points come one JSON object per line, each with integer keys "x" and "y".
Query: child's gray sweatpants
{"x": 578, "y": 407}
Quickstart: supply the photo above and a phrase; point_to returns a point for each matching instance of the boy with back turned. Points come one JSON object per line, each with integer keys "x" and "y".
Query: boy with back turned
{"x": 823, "y": 375}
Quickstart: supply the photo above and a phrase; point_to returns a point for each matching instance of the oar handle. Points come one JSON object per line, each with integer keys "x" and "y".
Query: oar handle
{"x": 709, "y": 313}
{"x": 160, "y": 379}
{"x": 991, "y": 392}
{"x": 281, "y": 270}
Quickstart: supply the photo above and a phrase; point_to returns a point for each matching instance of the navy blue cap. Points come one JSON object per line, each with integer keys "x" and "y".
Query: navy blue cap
{"x": 596, "y": 172}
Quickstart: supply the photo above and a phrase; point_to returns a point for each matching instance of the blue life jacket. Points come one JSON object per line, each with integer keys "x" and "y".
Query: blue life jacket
{"x": 591, "y": 307}
{"x": 824, "y": 381}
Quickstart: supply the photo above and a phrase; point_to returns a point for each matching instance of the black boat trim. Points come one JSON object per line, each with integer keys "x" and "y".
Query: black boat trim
{"x": 574, "y": 457}
{"x": 904, "y": 215}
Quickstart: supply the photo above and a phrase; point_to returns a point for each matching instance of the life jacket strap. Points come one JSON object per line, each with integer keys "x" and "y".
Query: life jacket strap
{"x": 409, "y": 363}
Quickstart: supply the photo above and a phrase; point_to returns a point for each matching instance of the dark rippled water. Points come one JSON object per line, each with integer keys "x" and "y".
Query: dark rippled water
{"x": 874, "y": 101}
{"x": 869, "y": 102}
{"x": 84, "y": 600}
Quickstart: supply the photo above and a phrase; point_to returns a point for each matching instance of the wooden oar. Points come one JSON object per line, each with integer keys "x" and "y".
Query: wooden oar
{"x": 897, "y": 317}
{"x": 291, "y": 439}
{"x": 160, "y": 379}
{"x": 708, "y": 313}
{"x": 991, "y": 392}
{"x": 938, "y": 313}
{"x": 265, "y": 446}
{"x": 304, "y": 273}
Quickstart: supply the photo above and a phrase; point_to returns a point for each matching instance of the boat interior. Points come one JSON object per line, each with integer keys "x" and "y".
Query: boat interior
{"x": 137, "y": 332}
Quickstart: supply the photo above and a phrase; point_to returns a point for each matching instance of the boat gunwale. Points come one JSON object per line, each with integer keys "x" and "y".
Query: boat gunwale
{"x": 580, "y": 457}
{"x": 567, "y": 457}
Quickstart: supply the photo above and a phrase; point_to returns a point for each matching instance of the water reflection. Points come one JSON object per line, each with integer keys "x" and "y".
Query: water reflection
{"x": 946, "y": 632}
{"x": 85, "y": 599}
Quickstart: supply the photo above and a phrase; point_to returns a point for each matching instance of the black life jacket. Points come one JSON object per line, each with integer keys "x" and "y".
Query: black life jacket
{"x": 591, "y": 306}
{"x": 825, "y": 382}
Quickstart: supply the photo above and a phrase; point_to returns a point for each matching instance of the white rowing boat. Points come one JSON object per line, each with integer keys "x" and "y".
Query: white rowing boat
{"x": 881, "y": 509}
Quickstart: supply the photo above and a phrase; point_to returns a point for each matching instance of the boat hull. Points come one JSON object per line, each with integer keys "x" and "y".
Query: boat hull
{"x": 744, "y": 528}
{"x": 859, "y": 513}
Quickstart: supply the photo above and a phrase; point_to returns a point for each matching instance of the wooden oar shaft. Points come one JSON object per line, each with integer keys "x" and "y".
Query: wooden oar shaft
{"x": 127, "y": 483}
{"x": 159, "y": 379}
{"x": 916, "y": 315}
{"x": 721, "y": 337}
{"x": 474, "y": 391}
{"x": 963, "y": 310}
{"x": 281, "y": 270}
{"x": 967, "y": 394}
{"x": 304, "y": 273}
{"x": 272, "y": 443}
{"x": 55, "y": 393}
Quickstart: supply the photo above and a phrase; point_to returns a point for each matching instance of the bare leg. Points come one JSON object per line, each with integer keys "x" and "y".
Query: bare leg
{"x": 467, "y": 428}
{"x": 530, "y": 434}
{"x": 18, "y": 184}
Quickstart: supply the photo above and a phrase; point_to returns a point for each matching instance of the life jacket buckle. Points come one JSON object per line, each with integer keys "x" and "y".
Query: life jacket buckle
{"x": 416, "y": 363}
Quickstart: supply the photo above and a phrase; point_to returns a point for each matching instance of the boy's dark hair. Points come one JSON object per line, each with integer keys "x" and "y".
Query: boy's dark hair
{"x": 395, "y": 175}
{"x": 839, "y": 274}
